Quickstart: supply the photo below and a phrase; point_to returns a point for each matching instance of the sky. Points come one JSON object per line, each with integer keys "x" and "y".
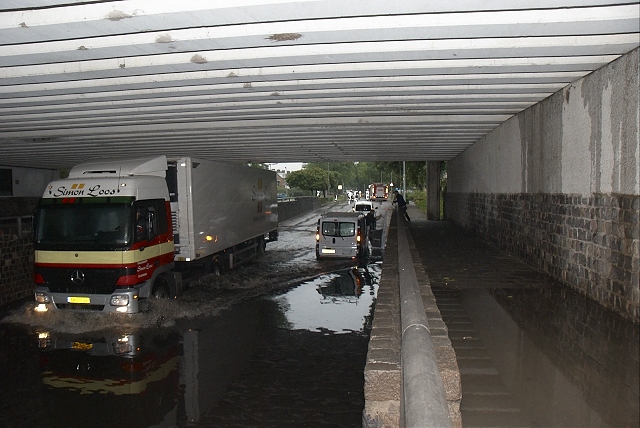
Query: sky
{"x": 291, "y": 166}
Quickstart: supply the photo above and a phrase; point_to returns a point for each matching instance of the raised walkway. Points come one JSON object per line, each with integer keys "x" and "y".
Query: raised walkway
{"x": 528, "y": 350}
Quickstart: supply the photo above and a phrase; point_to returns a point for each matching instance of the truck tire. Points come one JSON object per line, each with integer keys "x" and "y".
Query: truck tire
{"x": 215, "y": 269}
{"x": 161, "y": 289}
{"x": 262, "y": 245}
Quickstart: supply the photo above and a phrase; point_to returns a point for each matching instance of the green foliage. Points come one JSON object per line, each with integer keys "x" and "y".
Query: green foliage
{"x": 415, "y": 173}
{"x": 418, "y": 197}
{"x": 356, "y": 175}
{"x": 310, "y": 178}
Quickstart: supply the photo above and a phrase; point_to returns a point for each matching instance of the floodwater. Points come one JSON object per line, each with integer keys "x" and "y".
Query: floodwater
{"x": 281, "y": 341}
{"x": 292, "y": 358}
{"x": 531, "y": 352}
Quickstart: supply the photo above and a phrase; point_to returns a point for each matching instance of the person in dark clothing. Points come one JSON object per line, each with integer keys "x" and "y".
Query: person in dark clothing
{"x": 141, "y": 224}
{"x": 371, "y": 218}
{"x": 402, "y": 205}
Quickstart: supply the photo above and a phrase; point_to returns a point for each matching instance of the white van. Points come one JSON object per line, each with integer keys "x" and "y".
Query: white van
{"x": 341, "y": 235}
{"x": 365, "y": 206}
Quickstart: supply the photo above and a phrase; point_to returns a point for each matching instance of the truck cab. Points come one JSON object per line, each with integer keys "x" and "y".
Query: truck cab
{"x": 103, "y": 238}
{"x": 341, "y": 235}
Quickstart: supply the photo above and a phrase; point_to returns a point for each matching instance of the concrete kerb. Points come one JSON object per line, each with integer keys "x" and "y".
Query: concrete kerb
{"x": 424, "y": 398}
{"x": 383, "y": 371}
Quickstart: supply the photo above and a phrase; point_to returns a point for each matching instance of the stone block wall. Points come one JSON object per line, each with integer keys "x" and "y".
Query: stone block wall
{"x": 591, "y": 244}
{"x": 16, "y": 265}
{"x": 16, "y": 249}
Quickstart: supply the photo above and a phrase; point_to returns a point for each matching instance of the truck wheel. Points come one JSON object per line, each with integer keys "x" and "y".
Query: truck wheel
{"x": 161, "y": 289}
{"x": 215, "y": 269}
{"x": 262, "y": 246}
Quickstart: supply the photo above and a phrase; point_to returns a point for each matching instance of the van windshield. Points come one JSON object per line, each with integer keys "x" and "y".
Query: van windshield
{"x": 340, "y": 229}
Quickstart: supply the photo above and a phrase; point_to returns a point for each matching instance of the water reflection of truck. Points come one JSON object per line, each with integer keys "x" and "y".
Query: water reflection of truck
{"x": 159, "y": 377}
{"x": 108, "y": 237}
{"x": 127, "y": 379}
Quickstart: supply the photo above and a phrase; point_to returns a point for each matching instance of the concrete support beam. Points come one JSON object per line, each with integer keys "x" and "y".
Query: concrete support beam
{"x": 433, "y": 190}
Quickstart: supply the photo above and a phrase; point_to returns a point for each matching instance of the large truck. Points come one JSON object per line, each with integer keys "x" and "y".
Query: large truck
{"x": 379, "y": 192}
{"x": 116, "y": 233}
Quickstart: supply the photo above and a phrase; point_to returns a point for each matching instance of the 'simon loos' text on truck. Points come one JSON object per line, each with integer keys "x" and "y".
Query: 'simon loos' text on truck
{"x": 110, "y": 236}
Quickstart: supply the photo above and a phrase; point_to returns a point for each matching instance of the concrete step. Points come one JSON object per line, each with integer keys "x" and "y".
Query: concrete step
{"x": 483, "y": 384}
{"x": 492, "y": 419}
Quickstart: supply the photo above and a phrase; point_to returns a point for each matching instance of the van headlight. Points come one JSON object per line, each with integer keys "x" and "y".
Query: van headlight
{"x": 119, "y": 300}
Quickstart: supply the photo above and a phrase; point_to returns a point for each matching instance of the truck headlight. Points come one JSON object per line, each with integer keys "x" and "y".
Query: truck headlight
{"x": 122, "y": 346}
{"x": 119, "y": 300}
{"x": 42, "y": 298}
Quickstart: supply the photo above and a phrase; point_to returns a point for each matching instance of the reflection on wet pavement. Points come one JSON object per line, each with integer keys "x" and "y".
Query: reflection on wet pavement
{"x": 286, "y": 359}
{"x": 531, "y": 352}
{"x": 337, "y": 302}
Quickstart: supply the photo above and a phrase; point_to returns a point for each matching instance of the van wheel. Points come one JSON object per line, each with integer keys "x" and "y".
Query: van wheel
{"x": 318, "y": 253}
{"x": 161, "y": 289}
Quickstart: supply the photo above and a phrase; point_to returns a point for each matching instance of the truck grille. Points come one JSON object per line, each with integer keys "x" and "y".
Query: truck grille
{"x": 87, "y": 308}
{"x": 94, "y": 281}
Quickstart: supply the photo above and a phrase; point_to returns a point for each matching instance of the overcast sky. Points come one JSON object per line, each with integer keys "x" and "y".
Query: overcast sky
{"x": 292, "y": 166}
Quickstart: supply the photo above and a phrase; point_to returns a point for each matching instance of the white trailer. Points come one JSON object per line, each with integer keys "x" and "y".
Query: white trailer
{"x": 218, "y": 206}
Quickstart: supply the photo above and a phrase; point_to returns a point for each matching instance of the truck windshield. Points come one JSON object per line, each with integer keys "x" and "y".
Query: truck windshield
{"x": 90, "y": 225}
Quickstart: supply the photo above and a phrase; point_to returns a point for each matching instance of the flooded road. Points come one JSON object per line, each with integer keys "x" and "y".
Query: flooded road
{"x": 278, "y": 342}
{"x": 531, "y": 352}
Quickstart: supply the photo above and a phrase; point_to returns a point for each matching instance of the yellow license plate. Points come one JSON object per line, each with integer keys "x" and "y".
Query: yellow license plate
{"x": 77, "y": 299}
{"x": 81, "y": 345}
{"x": 328, "y": 251}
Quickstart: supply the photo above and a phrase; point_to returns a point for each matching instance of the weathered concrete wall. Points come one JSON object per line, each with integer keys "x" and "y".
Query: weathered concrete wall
{"x": 295, "y": 207}
{"x": 559, "y": 185}
{"x": 29, "y": 182}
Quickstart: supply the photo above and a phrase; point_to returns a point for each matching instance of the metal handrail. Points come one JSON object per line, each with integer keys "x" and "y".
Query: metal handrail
{"x": 424, "y": 399}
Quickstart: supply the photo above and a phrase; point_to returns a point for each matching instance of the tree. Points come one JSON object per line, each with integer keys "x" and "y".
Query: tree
{"x": 415, "y": 173}
{"x": 309, "y": 178}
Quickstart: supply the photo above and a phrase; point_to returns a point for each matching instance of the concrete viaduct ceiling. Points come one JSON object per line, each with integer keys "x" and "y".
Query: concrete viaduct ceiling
{"x": 287, "y": 81}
